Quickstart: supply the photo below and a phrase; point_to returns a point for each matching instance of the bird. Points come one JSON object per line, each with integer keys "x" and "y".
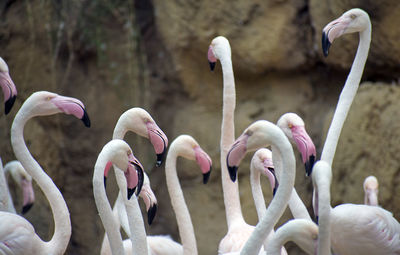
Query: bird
{"x": 352, "y": 21}
{"x": 371, "y": 189}
{"x": 294, "y": 128}
{"x": 238, "y": 230}
{"x": 261, "y": 163}
{"x": 18, "y": 236}
{"x": 140, "y": 122}
{"x": 8, "y": 86}
{"x": 260, "y": 134}
{"x": 352, "y": 228}
{"x": 116, "y": 152}
{"x": 187, "y": 147}
{"x": 24, "y": 181}
{"x": 301, "y": 231}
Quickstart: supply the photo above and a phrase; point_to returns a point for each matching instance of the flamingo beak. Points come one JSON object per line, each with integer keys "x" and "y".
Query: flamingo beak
{"x": 275, "y": 183}
{"x": 236, "y": 154}
{"x": 9, "y": 104}
{"x": 159, "y": 141}
{"x": 151, "y": 214}
{"x": 306, "y": 147}
{"x": 135, "y": 184}
{"x": 332, "y": 31}
{"x": 28, "y": 195}
{"x": 85, "y": 119}
{"x": 326, "y": 44}
{"x": 204, "y": 161}
{"x": 206, "y": 176}
{"x": 211, "y": 58}
{"x": 106, "y": 171}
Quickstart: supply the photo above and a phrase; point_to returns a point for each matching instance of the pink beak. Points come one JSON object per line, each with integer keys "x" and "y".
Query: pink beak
{"x": 204, "y": 162}
{"x": 70, "y": 105}
{"x": 332, "y": 31}
{"x": 306, "y": 147}
{"x": 159, "y": 141}
{"x": 236, "y": 154}
{"x": 134, "y": 176}
{"x": 28, "y": 195}
{"x": 211, "y": 58}
{"x": 9, "y": 91}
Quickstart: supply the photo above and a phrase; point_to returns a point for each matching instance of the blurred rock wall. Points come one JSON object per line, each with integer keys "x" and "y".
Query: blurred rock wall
{"x": 114, "y": 55}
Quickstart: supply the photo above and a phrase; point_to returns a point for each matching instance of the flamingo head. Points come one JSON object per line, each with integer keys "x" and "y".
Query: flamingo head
{"x": 149, "y": 199}
{"x": 294, "y": 128}
{"x": 254, "y": 137}
{"x": 24, "y": 181}
{"x": 218, "y": 48}
{"x": 8, "y": 86}
{"x": 188, "y": 148}
{"x": 371, "y": 189}
{"x": 139, "y": 121}
{"x": 262, "y": 161}
{"x": 354, "y": 20}
{"x": 47, "y": 103}
{"x": 120, "y": 154}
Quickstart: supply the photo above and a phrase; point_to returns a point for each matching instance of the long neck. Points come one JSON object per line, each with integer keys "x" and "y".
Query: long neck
{"x": 62, "y": 223}
{"x": 6, "y": 203}
{"x": 135, "y": 219}
{"x": 324, "y": 212}
{"x": 183, "y": 219}
{"x": 279, "y": 202}
{"x": 104, "y": 208}
{"x": 257, "y": 193}
{"x": 230, "y": 189}
{"x": 296, "y": 205}
{"x": 346, "y": 97}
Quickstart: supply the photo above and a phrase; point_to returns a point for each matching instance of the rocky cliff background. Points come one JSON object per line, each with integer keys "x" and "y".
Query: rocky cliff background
{"x": 114, "y": 55}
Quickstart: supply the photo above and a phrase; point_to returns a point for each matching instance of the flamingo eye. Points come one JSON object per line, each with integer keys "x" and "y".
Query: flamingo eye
{"x": 290, "y": 125}
{"x": 353, "y": 16}
{"x": 249, "y": 132}
{"x": 314, "y": 236}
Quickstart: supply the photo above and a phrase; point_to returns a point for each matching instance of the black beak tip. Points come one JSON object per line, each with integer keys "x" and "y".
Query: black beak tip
{"x": 9, "y": 104}
{"x": 212, "y": 65}
{"x": 86, "y": 119}
{"x": 151, "y": 214}
{"x": 274, "y": 191}
{"x": 206, "y": 177}
{"x": 325, "y": 44}
{"x": 26, "y": 208}
{"x": 233, "y": 172}
{"x": 160, "y": 159}
{"x": 316, "y": 220}
{"x": 105, "y": 182}
{"x": 309, "y": 165}
{"x": 131, "y": 192}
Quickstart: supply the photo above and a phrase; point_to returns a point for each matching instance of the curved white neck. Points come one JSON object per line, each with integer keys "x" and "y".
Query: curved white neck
{"x": 296, "y": 205}
{"x": 135, "y": 219}
{"x": 103, "y": 206}
{"x": 62, "y": 223}
{"x": 279, "y": 202}
{"x": 257, "y": 193}
{"x": 185, "y": 226}
{"x": 346, "y": 97}
{"x": 230, "y": 189}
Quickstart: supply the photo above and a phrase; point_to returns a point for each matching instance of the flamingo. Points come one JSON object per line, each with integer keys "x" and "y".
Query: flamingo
{"x": 119, "y": 153}
{"x": 18, "y": 236}
{"x": 261, "y": 134}
{"x": 8, "y": 86}
{"x": 371, "y": 189}
{"x": 301, "y": 231}
{"x": 294, "y": 128}
{"x": 352, "y": 228}
{"x": 140, "y": 122}
{"x": 184, "y": 146}
{"x": 238, "y": 230}
{"x": 23, "y": 180}
{"x": 352, "y": 21}
{"x": 261, "y": 163}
